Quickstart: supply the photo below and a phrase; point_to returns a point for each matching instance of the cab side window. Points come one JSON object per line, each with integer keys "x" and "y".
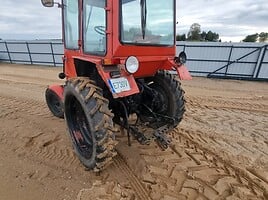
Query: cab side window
{"x": 94, "y": 24}
{"x": 71, "y": 32}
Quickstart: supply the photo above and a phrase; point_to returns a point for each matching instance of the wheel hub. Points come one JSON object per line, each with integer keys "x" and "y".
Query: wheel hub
{"x": 80, "y": 129}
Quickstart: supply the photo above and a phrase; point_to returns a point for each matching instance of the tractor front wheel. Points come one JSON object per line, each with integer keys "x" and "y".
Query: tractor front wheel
{"x": 169, "y": 100}
{"x": 54, "y": 103}
{"x": 90, "y": 123}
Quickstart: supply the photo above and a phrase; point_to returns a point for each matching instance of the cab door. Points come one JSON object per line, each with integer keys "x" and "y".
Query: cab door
{"x": 94, "y": 27}
{"x": 71, "y": 34}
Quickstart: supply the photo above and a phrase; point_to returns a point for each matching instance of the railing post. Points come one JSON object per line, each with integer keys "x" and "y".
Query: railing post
{"x": 8, "y": 53}
{"x": 184, "y": 47}
{"x": 261, "y": 61}
{"x": 52, "y": 52}
{"x": 258, "y": 62}
{"x": 29, "y": 52}
{"x": 229, "y": 58}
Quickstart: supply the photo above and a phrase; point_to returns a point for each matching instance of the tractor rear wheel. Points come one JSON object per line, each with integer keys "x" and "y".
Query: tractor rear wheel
{"x": 54, "y": 103}
{"x": 170, "y": 98}
{"x": 90, "y": 123}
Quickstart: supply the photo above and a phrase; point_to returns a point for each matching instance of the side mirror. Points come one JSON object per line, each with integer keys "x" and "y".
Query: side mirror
{"x": 48, "y": 3}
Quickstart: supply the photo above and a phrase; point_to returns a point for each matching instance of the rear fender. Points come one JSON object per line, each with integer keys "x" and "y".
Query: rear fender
{"x": 183, "y": 73}
{"x": 58, "y": 89}
{"x": 181, "y": 69}
{"x": 105, "y": 74}
{"x": 106, "y": 77}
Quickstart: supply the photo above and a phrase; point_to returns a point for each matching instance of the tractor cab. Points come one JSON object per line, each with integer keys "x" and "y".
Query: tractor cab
{"x": 118, "y": 55}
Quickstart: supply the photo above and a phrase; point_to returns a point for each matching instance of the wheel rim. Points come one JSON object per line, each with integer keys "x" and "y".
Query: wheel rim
{"x": 161, "y": 106}
{"x": 79, "y": 127}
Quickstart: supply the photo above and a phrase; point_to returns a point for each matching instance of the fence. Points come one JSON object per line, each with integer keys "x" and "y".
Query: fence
{"x": 222, "y": 60}
{"x": 227, "y": 60}
{"x": 32, "y": 52}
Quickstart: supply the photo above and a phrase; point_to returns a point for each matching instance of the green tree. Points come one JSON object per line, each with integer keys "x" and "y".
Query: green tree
{"x": 194, "y": 32}
{"x": 180, "y": 37}
{"x": 263, "y": 37}
{"x": 212, "y": 37}
{"x": 251, "y": 38}
{"x": 203, "y": 35}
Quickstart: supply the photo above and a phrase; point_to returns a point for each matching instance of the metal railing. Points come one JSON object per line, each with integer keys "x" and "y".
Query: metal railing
{"x": 222, "y": 60}
{"x": 31, "y": 52}
{"x": 238, "y": 60}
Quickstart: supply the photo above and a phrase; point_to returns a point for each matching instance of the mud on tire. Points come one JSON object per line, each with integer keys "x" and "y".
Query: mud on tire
{"x": 90, "y": 123}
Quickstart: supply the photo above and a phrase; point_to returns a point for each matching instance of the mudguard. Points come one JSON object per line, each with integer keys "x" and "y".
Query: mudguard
{"x": 181, "y": 69}
{"x": 131, "y": 80}
{"x": 58, "y": 89}
{"x": 183, "y": 73}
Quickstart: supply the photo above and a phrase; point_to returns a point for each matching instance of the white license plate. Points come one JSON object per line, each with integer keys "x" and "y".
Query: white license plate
{"x": 119, "y": 84}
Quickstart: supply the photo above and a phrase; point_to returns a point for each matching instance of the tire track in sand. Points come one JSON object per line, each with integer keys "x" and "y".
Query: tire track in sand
{"x": 237, "y": 132}
{"x": 136, "y": 184}
{"x": 39, "y": 135}
{"x": 44, "y": 145}
{"x": 245, "y": 104}
{"x": 246, "y": 176}
{"x": 187, "y": 171}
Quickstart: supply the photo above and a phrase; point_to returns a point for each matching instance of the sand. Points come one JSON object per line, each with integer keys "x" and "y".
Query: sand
{"x": 219, "y": 150}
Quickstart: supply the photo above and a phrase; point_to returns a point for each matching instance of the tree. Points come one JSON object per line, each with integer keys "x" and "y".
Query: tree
{"x": 251, "y": 38}
{"x": 212, "y": 37}
{"x": 263, "y": 37}
{"x": 194, "y": 32}
{"x": 181, "y": 37}
{"x": 203, "y": 35}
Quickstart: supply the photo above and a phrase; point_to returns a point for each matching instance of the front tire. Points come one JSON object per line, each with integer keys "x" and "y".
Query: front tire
{"x": 90, "y": 123}
{"x": 171, "y": 100}
{"x": 54, "y": 103}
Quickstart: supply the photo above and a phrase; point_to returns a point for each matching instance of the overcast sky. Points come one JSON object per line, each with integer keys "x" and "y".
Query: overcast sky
{"x": 233, "y": 19}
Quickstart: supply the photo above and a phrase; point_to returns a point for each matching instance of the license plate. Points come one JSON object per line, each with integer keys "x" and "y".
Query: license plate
{"x": 119, "y": 84}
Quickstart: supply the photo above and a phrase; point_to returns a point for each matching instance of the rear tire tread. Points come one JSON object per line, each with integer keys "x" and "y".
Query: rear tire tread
{"x": 103, "y": 128}
{"x": 175, "y": 88}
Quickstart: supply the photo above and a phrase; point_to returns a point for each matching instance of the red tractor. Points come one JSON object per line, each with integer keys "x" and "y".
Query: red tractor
{"x": 118, "y": 59}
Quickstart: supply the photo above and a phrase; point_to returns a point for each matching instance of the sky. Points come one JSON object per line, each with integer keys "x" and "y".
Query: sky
{"x": 233, "y": 20}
